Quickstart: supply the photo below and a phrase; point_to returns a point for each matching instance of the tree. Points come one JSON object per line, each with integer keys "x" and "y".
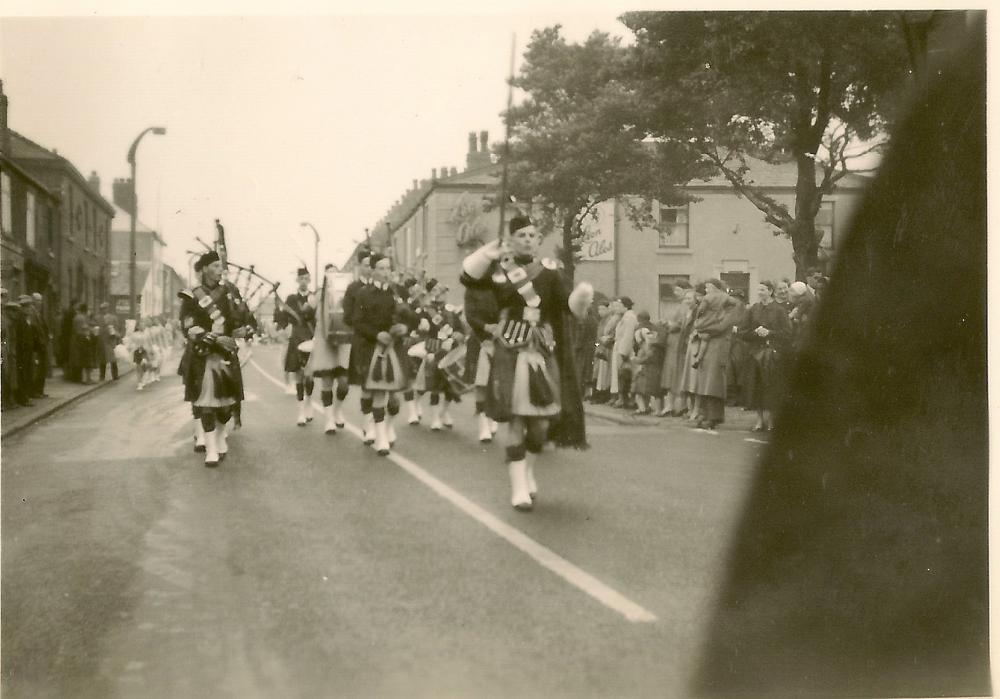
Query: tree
{"x": 574, "y": 142}
{"x": 818, "y": 88}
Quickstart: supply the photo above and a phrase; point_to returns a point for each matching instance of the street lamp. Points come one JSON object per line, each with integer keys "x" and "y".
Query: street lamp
{"x": 315, "y": 255}
{"x": 134, "y": 210}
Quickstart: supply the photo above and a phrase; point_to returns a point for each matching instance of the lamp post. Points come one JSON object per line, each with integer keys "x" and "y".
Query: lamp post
{"x": 315, "y": 255}
{"x": 134, "y": 211}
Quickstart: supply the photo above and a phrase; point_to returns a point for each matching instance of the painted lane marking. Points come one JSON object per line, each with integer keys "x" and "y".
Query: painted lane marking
{"x": 756, "y": 441}
{"x": 545, "y": 557}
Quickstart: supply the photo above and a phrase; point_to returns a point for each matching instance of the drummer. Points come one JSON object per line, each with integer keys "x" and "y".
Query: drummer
{"x": 299, "y": 312}
{"x": 331, "y": 350}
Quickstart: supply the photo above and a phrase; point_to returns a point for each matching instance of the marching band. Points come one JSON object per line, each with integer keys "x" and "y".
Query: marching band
{"x": 398, "y": 340}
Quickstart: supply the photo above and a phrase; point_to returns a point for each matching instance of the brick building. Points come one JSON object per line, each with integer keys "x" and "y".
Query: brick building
{"x": 78, "y": 269}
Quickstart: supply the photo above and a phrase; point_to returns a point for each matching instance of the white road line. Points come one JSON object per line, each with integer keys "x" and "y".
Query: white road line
{"x": 545, "y": 557}
{"x": 756, "y": 441}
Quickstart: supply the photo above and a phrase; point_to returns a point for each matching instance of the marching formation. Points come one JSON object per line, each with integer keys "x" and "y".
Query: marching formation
{"x": 402, "y": 346}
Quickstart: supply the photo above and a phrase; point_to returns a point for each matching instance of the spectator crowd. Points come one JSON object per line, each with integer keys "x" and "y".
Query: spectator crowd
{"x": 83, "y": 345}
{"x": 711, "y": 348}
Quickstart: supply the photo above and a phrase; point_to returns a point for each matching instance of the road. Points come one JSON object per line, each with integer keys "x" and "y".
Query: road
{"x": 306, "y": 565}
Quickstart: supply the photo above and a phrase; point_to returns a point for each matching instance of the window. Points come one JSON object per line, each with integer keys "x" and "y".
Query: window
{"x": 824, "y": 224}
{"x": 672, "y": 226}
{"x": 29, "y": 219}
{"x": 5, "y": 219}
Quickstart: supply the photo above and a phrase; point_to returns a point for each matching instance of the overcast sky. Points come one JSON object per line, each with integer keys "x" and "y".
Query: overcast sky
{"x": 271, "y": 120}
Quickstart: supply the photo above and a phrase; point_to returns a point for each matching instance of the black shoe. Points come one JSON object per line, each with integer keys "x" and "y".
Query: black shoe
{"x": 199, "y": 448}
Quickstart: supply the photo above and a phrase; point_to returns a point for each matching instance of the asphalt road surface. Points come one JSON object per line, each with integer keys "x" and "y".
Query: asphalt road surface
{"x": 306, "y": 565}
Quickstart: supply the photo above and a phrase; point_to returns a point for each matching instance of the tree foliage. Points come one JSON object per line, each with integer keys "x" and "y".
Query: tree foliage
{"x": 574, "y": 141}
{"x": 818, "y": 88}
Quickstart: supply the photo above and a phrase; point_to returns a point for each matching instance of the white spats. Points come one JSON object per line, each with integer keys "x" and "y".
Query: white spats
{"x": 308, "y": 408}
{"x": 485, "y": 428}
{"x": 211, "y": 449}
{"x": 412, "y": 414}
{"x": 390, "y": 430}
{"x": 446, "y": 419}
{"x": 494, "y": 427}
{"x": 199, "y": 435}
{"x": 381, "y": 439}
{"x": 529, "y": 476}
{"x": 331, "y": 420}
{"x": 338, "y": 412}
{"x": 301, "y": 421}
{"x": 222, "y": 439}
{"x": 436, "y": 411}
{"x": 369, "y": 429}
{"x": 520, "y": 499}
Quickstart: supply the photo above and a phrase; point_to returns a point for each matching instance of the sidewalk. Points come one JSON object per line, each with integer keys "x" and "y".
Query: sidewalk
{"x": 60, "y": 394}
{"x": 737, "y": 419}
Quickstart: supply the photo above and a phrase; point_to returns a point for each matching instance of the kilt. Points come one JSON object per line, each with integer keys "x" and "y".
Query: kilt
{"x": 218, "y": 383}
{"x": 385, "y": 371}
{"x": 328, "y": 359}
{"x": 517, "y": 374}
{"x": 295, "y": 359}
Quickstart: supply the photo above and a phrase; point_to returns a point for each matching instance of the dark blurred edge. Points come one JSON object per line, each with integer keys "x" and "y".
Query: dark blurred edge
{"x": 860, "y": 567}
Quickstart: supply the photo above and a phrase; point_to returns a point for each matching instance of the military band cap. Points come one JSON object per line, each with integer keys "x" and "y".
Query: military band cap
{"x": 519, "y": 222}
{"x": 364, "y": 253}
{"x": 374, "y": 258}
{"x": 302, "y": 272}
{"x": 205, "y": 260}
{"x": 431, "y": 283}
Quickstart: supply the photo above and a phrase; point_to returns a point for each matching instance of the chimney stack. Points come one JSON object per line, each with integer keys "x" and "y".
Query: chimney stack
{"x": 444, "y": 171}
{"x": 434, "y": 174}
{"x": 94, "y": 181}
{"x": 415, "y": 185}
{"x": 121, "y": 193}
{"x": 484, "y": 142}
{"x": 454, "y": 171}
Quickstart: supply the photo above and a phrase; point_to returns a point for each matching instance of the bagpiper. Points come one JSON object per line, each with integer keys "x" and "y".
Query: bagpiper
{"x": 210, "y": 367}
{"x": 331, "y": 352}
{"x": 379, "y": 334}
{"x": 532, "y": 379}
{"x": 299, "y": 312}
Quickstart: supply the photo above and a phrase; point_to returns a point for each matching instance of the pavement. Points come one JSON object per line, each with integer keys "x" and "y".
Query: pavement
{"x": 59, "y": 394}
{"x": 737, "y": 419}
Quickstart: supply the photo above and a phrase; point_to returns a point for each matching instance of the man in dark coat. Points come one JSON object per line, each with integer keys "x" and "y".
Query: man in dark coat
{"x": 299, "y": 313}
{"x": 8, "y": 361}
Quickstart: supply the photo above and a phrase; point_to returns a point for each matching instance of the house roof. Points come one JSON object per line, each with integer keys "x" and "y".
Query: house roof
{"x": 24, "y": 174}
{"x": 30, "y": 153}
{"x": 778, "y": 175}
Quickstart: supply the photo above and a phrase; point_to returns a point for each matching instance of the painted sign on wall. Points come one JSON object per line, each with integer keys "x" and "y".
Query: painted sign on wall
{"x": 598, "y": 239}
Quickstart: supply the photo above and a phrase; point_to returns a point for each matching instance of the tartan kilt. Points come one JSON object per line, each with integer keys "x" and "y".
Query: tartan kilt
{"x": 510, "y": 387}
{"x": 385, "y": 370}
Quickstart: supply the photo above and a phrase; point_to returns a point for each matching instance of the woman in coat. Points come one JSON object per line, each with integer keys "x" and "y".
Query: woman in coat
{"x": 670, "y": 338}
{"x": 767, "y": 331}
{"x": 713, "y": 326}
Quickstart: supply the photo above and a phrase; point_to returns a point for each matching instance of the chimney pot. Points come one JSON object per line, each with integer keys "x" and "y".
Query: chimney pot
{"x": 484, "y": 141}
{"x": 94, "y": 181}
